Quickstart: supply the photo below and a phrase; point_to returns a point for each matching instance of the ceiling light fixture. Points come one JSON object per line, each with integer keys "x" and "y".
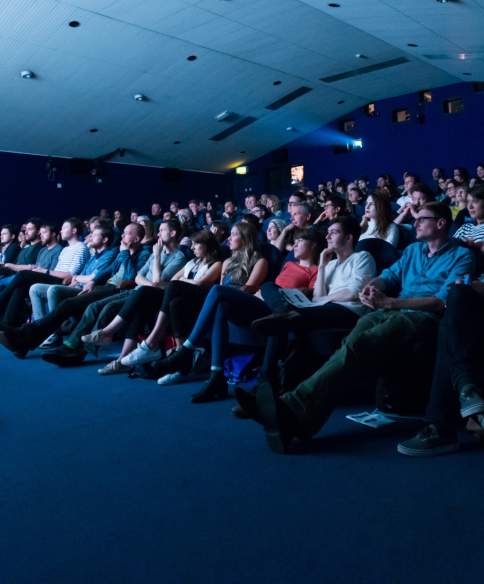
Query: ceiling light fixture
{"x": 361, "y": 56}
{"x": 340, "y": 101}
{"x": 192, "y": 58}
{"x": 466, "y": 73}
{"x": 139, "y": 97}
{"x": 242, "y": 170}
{"x": 176, "y": 142}
{"x": 290, "y": 129}
{"x": 411, "y": 45}
{"x": 276, "y": 82}
{"x": 93, "y": 130}
{"x": 74, "y": 24}
{"x": 334, "y": 5}
{"x": 26, "y": 74}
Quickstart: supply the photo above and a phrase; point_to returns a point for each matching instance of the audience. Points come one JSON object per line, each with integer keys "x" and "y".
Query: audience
{"x": 108, "y": 281}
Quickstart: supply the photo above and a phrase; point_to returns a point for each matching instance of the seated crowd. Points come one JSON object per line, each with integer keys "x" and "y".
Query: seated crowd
{"x": 381, "y": 277}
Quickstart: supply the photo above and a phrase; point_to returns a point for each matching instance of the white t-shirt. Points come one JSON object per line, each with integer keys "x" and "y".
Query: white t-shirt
{"x": 352, "y": 274}
{"x": 403, "y": 200}
{"x": 372, "y": 233}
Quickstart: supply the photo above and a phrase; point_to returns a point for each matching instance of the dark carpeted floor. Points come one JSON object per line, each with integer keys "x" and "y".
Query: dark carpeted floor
{"x": 111, "y": 480}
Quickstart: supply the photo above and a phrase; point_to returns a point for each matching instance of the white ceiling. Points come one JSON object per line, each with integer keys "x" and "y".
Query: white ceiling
{"x": 86, "y": 76}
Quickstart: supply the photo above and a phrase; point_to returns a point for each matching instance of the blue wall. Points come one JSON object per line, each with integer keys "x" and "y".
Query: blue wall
{"x": 443, "y": 140}
{"x": 26, "y": 191}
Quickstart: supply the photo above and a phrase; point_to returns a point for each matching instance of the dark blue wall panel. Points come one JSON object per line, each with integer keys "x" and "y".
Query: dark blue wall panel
{"x": 26, "y": 190}
{"x": 442, "y": 140}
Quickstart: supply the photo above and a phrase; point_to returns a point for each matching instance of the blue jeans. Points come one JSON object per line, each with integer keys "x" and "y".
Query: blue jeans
{"x": 225, "y": 304}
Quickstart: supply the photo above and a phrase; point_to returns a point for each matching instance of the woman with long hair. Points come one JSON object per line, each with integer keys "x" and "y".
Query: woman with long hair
{"x": 233, "y": 301}
{"x": 177, "y": 305}
{"x": 150, "y": 238}
{"x": 377, "y": 221}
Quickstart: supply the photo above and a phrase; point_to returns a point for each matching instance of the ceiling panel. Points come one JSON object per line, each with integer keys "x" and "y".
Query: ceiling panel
{"x": 86, "y": 77}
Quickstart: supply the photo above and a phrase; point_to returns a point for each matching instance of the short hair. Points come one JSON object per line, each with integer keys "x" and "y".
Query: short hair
{"x": 13, "y": 230}
{"x": 477, "y": 192}
{"x": 440, "y": 211}
{"x": 76, "y": 224}
{"x": 422, "y": 188}
{"x": 94, "y": 219}
{"x": 223, "y": 229}
{"x": 305, "y": 206}
{"x": 140, "y": 230}
{"x": 194, "y": 202}
{"x": 336, "y": 201}
{"x": 298, "y": 194}
{"x": 174, "y": 225}
{"x": 349, "y": 225}
{"x": 35, "y": 221}
{"x": 106, "y": 232}
{"x": 50, "y": 226}
{"x": 252, "y": 220}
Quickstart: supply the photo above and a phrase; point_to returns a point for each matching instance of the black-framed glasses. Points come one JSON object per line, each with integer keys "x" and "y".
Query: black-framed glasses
{"x": 420, "y": 219}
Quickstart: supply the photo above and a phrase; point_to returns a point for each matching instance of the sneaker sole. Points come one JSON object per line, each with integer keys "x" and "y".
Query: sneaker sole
{"x": 428, "y": 451}
{"x": 472, "y": 410}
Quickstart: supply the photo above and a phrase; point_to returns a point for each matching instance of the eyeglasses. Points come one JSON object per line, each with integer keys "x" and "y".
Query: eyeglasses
{"x": 420, "y": 219}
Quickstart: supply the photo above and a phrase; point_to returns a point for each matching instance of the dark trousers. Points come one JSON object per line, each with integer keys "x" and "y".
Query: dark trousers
{"x": 374, "y": 349}
{"x": 36, "y": 332}
{"x": 140, "y": 310}
{"x": 13, "y": 310}
{"x": 459, "y": 355}
{"x": 313, "y": 318}
{"x": 182, "y": 303}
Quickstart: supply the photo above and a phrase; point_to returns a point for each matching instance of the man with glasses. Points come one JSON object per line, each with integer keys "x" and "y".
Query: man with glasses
{"x": 406, "y": 300}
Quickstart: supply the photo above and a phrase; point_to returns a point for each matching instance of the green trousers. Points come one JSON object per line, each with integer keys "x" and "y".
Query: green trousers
{"x": 380, "y": 345}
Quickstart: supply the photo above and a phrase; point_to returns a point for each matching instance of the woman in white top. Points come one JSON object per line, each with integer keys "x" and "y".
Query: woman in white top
{"x": 377, "y": 221}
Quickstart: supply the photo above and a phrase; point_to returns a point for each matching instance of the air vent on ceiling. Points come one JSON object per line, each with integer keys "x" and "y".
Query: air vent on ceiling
{"x": 275, "y": 105}
{"x": 365, "y": 70}
{"x": 235, "y": 128}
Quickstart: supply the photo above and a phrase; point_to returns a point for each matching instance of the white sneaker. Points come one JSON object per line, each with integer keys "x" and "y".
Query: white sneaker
{"x": 51, "y": 341}
{"x": 112, "y": 368}
{"x": 142, "y": 354}
{"x": 171, "y": 378}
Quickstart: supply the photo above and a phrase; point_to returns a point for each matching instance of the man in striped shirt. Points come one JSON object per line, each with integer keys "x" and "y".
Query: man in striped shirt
{"x": 71, "y": 262}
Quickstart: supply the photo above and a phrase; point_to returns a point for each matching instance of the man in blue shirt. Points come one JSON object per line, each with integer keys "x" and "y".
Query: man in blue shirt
{"x": 406, "y": 301}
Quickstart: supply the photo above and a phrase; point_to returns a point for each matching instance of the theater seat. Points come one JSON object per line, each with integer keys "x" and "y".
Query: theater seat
{"x": 383, "y": 252}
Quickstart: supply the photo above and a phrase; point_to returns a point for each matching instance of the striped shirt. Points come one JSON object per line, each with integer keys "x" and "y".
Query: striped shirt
{"x": 73, "y": 258}
{"x": 470, "y": 231}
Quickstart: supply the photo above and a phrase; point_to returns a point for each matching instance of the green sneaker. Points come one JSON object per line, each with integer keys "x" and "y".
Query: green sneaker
{"x": 429, "y": 442}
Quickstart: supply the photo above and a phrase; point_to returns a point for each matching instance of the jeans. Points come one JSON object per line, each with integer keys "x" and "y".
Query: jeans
{"x": 375, "y": 348}
{"x": 46, "y": 297}
{"x": 182, "y": 302}
{"x": 224, "y": 304}
{"x": 459, "y": 355}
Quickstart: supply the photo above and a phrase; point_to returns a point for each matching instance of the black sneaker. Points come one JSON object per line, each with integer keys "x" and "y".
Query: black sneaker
{"x": 65, "y": 357}
{"x": 429, "y": 442}
{"x": 180, "y": 360}
{"x": 471, "y": 401}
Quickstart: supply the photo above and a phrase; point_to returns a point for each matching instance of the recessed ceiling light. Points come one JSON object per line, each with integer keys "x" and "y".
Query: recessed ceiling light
{"x": 74, "y": 24}
{"x": 361, "y": 56}
{"x": 334, "y": 5}
{"x": 192, "y": 58}
{"x": 466, "y": 73}
{"x": 177, "y": 142}
{"x": 276, "y": 82}
{"x": 411, "y": 45}
{"x": 243, "y": 152}
{"x": 340, "y": 101}
{"x": 93, "y": 130}
{"x": 26, "y": 74}
{"x": 139, "y": 97}
{"x": 290, "y": 129}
